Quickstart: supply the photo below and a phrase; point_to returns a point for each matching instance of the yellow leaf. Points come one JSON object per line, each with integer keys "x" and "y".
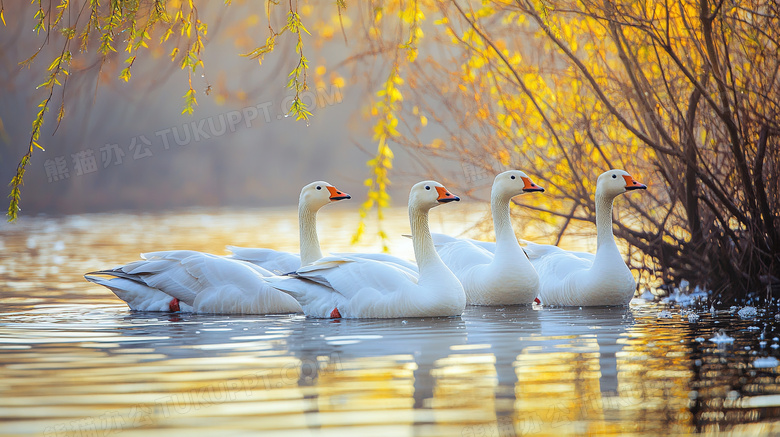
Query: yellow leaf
{"x": 411, "y": 54}
{"x": 125, "y": 74}
{"x": 424, "y": 120}
{"x": 503, "y": 157}
{"x": 167, "y": 35}
{"x": 345, "y": 20}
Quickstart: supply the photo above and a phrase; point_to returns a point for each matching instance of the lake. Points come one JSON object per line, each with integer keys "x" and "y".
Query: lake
{"x": 76, "y": 361}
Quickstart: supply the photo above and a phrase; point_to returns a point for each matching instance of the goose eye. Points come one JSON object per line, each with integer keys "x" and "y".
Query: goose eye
{"x": 513, "y": 176}
{"x": 614, "y": 176}
{"x": 319, "y": 187}
{"x": 427, "y": 187}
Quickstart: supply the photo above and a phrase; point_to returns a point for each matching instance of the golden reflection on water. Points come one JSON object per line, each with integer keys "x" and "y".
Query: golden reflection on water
{"x": 76, "y": 361}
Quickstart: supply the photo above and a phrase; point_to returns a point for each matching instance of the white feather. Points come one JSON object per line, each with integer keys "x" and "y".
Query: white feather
{"x": 206, "y": 283}
{"x": 275, "y": 261}
{"x": 138, "y": 296}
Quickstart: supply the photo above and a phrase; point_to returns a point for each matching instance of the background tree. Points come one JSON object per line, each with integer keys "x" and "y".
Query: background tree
{"x": 683, "y": 94}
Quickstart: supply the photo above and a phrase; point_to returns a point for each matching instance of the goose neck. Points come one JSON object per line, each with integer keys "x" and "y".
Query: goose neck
{"x": 309, "y": 243}
{"x": 502, "y": 223}
{"x": 424, "y": 250}
{"x": 604, "y": 221}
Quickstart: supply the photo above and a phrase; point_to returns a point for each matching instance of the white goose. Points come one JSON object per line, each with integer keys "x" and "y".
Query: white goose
{"x": 170, "y": 281}
{"x": 354, "y": 287}
{"x": 503, "y": 275}
{"x": 583, "y": 279}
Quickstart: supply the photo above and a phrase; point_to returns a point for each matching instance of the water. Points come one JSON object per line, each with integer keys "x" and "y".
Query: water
{"x": 76, "y": 361}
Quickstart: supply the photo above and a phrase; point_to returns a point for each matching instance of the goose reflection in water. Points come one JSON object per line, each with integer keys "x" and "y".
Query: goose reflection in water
{"x": 544, "y": 358}
{"x": 492, "y": 362}
{"x": 338, "y": 364}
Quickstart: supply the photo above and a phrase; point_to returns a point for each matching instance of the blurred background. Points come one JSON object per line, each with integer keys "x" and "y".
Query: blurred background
{"x": 127, "y": 145}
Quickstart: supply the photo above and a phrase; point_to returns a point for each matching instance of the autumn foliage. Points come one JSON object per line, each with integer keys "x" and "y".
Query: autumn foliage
{"x": 682, "y": 94}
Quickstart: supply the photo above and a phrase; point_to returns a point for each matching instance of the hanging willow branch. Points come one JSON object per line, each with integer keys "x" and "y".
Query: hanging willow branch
{"x": 140, "y": 19}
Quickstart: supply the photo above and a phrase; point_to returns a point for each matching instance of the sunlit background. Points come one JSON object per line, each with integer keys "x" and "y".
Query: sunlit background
{"x": 238, "y": 148}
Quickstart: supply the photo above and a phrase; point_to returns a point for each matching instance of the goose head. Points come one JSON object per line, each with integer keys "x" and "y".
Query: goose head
{"x": 320, "y": 193}
{"x": 614, "y": 182}
{"x": 514, "y": 182}
{"x": 429, "y": 194}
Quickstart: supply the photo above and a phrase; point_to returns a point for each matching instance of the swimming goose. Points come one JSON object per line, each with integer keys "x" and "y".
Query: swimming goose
{"x": 167, "y": 281}
{"x": 503, "y": 275}
{"x": 584, "y": 279}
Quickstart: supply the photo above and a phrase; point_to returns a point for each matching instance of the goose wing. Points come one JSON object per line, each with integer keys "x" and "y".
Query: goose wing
{"x": 274, "y": 261}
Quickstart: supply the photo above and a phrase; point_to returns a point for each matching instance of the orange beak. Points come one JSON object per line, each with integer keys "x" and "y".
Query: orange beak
{"x": 445, "y": 196}
{"x": 631, "y": 184}
{"x": 337, "y": 195}
{"x": 530, "y": 186}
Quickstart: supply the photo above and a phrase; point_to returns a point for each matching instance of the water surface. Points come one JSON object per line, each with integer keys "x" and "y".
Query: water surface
{"x": 76, "y": 361}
